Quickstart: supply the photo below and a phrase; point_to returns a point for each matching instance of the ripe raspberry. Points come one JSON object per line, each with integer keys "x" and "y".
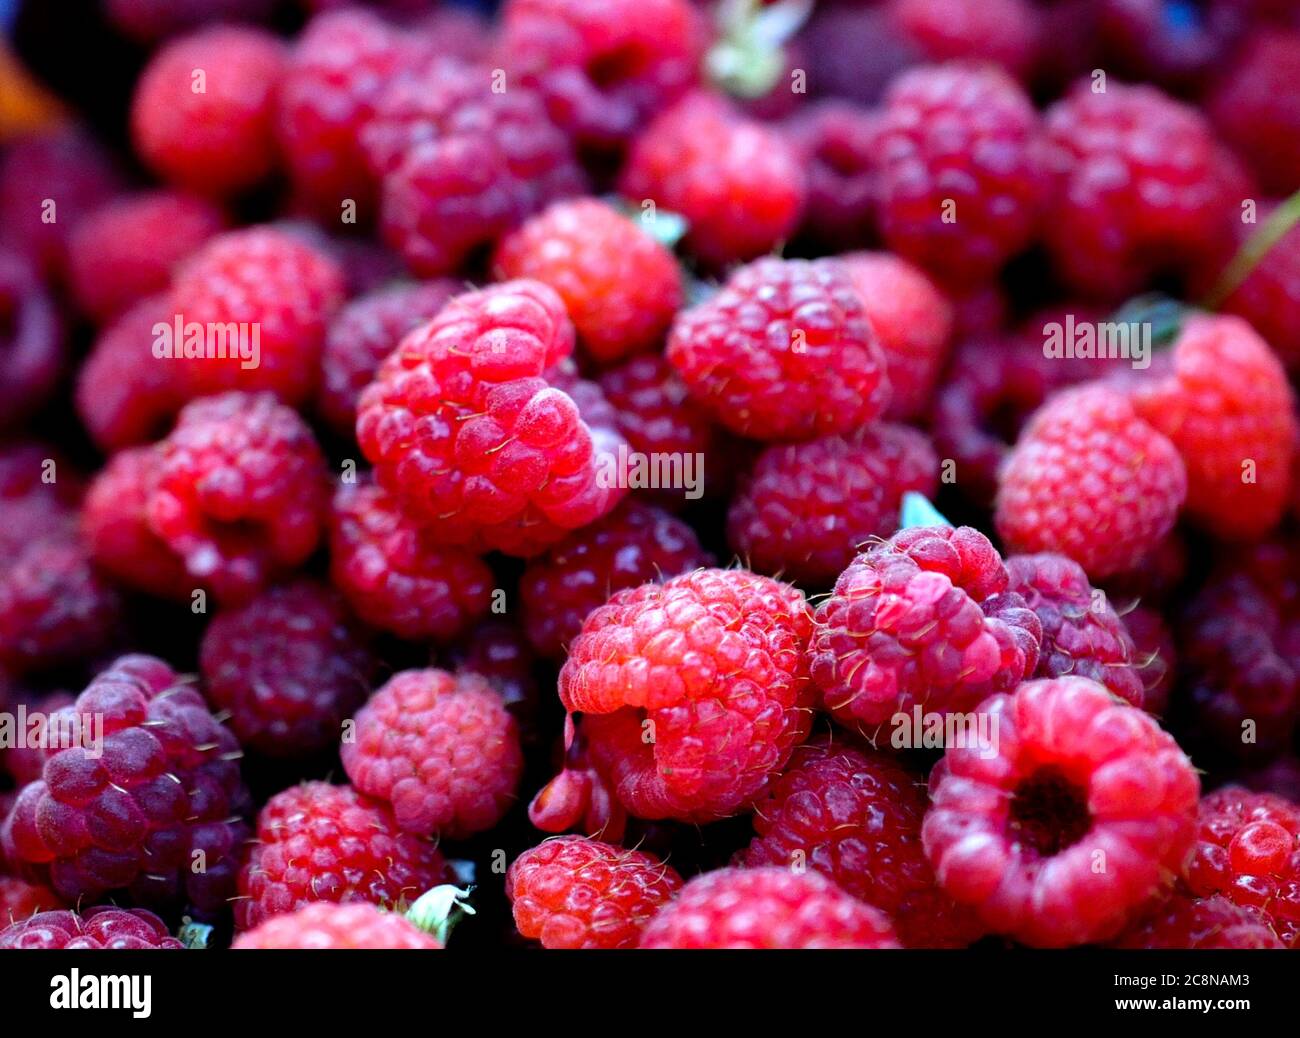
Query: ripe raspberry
{"x": 1281, "y": 776}
{"x": 1193, "y": 922}
{"x": 1140, "y": 184}
{"x": 1090, "y": 479}
{"x": 738, "y": 183}
{"x": 805, "y": 509}
{"x": 572, "y": 892}
{"x": 766, "y": 908}
{"x": 1248, "y": 851}
{"x": 96, "y": 928}
{"x": 1175, "y": 44}
{"x": 464, "y": 429}
{"x": 836, "y": 142}
{"x": 913, "y": 321}
{"x": 278, "y": 285}
{"x": 1255, "y": 109}
{"x": 129, "y": 248}
{"x": 325, "y": 926}
{"x": 711, "y": 664}
{"x": 1155, "y": 658}
{"x": 26, "y": 763}
{"x": 166, "y": 793}
{"x": 633, "y": 546}
{"x": 288, "y": 668}
{"x": 441, "y": 749}
{"x": 961, "y": 173}
{"x": 1270, "y": 294}
{"x": 21, "y": 900}
{"x": 366, "y": 331}
{"x": 203, "y": 114}
{"x": 783, "y": 351}
{"x": 1078, "y": 778}
{"x": 498, "y": 652}
{"x": 1159, "y": 578}
{"x": 241, "y": 492}
{"x": 151, "y": 20}
{"x": 620, "y": 286}
{"x": 32, "y": 340}
{"x": 1222, "y": 398}
{"x": 924, "y": 619}
{"x": 855, "y": 817}
{"x": 396, "y": 575}
{"x": 1082, "y": 635}
{"x": 604, "y": 69}
{"x": 317, "y": 842}
{"x": 1006, "y": 32}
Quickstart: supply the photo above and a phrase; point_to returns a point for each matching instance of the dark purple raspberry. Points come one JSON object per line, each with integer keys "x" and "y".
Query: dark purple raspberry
{"x": 32, "y": 347}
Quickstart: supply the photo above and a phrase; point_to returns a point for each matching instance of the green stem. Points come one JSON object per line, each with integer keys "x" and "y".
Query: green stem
{"x": 1269, "y": 233}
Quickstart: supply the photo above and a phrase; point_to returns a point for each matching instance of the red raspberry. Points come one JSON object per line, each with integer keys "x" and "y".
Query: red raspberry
{"x": 26, "y": 763}
{"x": 1175, "y": 44}
{"x": 325, "y": 926}
{"x": 620, "y": 286}
{"x": 1080, "y": 818}
{"x": 1159, "y": 578}
{"x": 694, "y": 692}
{"x": 738, "y": 183}
{"x": 766, "y": 908}
{"x": 366, "y": 331}
{"x": 32, "y": 340}
{"x": 96, "y": 928}
{"x": 129, "y": 248}
{"x": 1090, "y": 479}
{"x": 241, "y": 492}
{"x": 1139, "y": 184}
{"x": 151, "y": 20}
{"x": 633, "y": 546}
{"x": 922, "y": 620}
{"x": 442, "y": 749}
{"x": 288, "y": 668}
{"x": 1155, "y": 658}
{"x": 1082, "y": 635}
{"x": 783, "y": 351}
{"x": 1248, "y": 851}
{"x": 498, "y": 652}
{"x": 836, "y": 141}
{"x": 203, "y": 115}
{"x": 1194, "y": 922}
{"x": 1255, "y": 108}
{"x": 805, "y": 509}
{"x": 855, "y": 817}
{"x": 1280, "y": 776}
{"x": 275, "y": 283}
{"x": 1002, "y": 31}
{"x": 572, "y": 892}
{"x": 1223, "y": 399}
{"x": 465, "y": 430}
{"x": 164, "y": 798}
{"x": 317, "y": 842}
{"x": 961, "y": 174}
{"x": 21, "y": 900}
{"x": 913, "y": 321}
{"x": 1269, "y": 296}
{"x": 604, "y": 69}
{"x": 397, "y": 575}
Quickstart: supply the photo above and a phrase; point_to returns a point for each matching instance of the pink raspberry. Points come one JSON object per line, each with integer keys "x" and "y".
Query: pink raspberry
{"x": 95, "y": 928}
{"x": 33, "y": 346}
{"x": 1003, "y": 31}
{"x": 325, "y": 926}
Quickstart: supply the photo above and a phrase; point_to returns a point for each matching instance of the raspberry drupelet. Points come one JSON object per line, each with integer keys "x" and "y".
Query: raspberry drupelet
{"x": 1200, "y": 922}
{"x": 766, "y": 908}
{"x": 574, "y": 892}
{"x": 783, "y": 351}
{"x": 98, "y": 928}
{"x": 1082, "y": 817}
{"x": 323, "y": 926}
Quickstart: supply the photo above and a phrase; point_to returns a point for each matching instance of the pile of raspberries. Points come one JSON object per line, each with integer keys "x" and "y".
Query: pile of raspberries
{"x": 651, "y": 473}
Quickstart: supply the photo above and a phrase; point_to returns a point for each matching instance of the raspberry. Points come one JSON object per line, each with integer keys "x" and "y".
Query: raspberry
{"x": 1280, "y": 776}
{"x": 1155, "y": 658}
{"x": 21, "y": 900}
{"x": 317, "y": 842}
{"x": 1139, "y": 185}
{"x": 1210, "y": 922}
{"x": 322, "y": 925}
{"x": 203, "y": 114}
{"x": 1248, "y": 851}
{"x": 1270, "y": 295}
{"x": 572, "y": 892}
{"x": 859, "y": 51}
{"x": 604, "y": 69}
{"x": 241, "y": 492}
{"x": 961, "y": 174}
{"x": 766, "y": 908}
{"x": 363, "y": 333}
{"x": 1082, "y": 635}
{"x": 129, "y": 248}
{"x": 441, "y": 749}
{"x": 1090, "y": 479}
{"x": 499, "y": 653}
{"x": 913, "y": 321}
{"x": 26, "y": 763}
{"x": 805, "y": 509}
{"x": 836, "y": 142}
{"x": 288, "y": 668}
{"x": 165, "y": 794}
{"x": 633, "y": 546}
{"x": 1172, "y": 43}
{"x": 95, "y": 928}
{"x": 397, "y": 575}
{"x": 1001, "y": 31}
{"x": 620, "y": 286}
{"x": 924, "y": 619}
{"x": 464, "y": 429}
{"x": 783, "y": 351}
{"x": 1255, "y": 109}
{"x": 1223, "y": 399}
{"x": 151, "y": 20}
{"x": 275, "y": 284}
{"x": 1158, "y": 580}
{"x": 738, "y": 183}
{"x": 711, "y": 664}
{"x": 32, "y": 346}
{"x": 855, "y": 817}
